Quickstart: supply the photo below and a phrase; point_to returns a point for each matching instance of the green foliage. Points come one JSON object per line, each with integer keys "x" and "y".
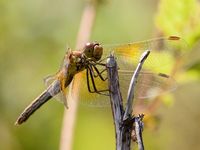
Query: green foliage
{"x": 180, "y": 17}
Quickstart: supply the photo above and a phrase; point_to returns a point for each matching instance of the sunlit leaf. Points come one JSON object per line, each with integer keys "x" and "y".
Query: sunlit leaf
{"x": 180, "y": 17}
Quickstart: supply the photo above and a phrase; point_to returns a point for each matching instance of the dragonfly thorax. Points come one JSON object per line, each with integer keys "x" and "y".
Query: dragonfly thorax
{"x": 93, "y": 51}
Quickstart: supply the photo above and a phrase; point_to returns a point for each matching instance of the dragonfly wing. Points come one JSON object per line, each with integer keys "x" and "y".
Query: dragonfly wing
{"x": 93, "y": 99}
{"x": 54, "y": 88}
{"x": 49, "y": 80}
{"x": 149, "y": 85}
{"x": 62, "y": 97}
{"x": 160, "y": 59}
{"x": 58, "y": 84}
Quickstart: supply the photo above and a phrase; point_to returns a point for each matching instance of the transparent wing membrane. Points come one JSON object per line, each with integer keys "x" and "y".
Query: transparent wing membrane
{"x": 54, "y": 88}
{"x": 149, "y": 85}
{"x": 163, "y": 51}
{"x": 49, "y": 80}
{"x": 93, "y": 99}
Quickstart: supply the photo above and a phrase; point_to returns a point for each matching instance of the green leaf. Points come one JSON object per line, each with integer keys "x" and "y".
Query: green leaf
{"x": 179, "y": 17}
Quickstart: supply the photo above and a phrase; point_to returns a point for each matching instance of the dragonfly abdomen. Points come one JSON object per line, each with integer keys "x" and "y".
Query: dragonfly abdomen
{"x": 36, "y": 104}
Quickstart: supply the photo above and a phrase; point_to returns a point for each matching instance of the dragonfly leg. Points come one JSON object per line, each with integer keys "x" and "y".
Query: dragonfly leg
{"x": 103, "y": 59}
{"x": 99, "y": 73}
{"x": 97, "y": 63}
{"x": 88, "y": 80}
{"x": 90, "y": 74}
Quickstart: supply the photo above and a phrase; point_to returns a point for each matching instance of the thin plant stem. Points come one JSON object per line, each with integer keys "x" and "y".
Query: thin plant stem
{"x": 69, "y": 118}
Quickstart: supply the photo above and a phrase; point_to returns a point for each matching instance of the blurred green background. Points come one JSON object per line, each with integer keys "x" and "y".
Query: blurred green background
{"x": 33, "y": 39}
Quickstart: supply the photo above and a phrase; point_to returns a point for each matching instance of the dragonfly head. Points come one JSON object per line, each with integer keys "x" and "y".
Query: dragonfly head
{"x": 93, "y": 50}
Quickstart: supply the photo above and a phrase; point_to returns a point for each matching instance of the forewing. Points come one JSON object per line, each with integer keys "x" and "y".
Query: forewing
{"x": 161, "y": 59}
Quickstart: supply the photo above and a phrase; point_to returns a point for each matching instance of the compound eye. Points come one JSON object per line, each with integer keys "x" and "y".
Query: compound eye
{"x": 89, "y": 47}
{"x": 98, "y": 51}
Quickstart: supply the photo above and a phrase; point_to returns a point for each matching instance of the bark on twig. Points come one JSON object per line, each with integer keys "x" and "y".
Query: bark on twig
{"x": 116, "y": 101}
{"x": 130, "y": 96}
{"x": 138, "y": 131}
{"x": 123, "y": 119}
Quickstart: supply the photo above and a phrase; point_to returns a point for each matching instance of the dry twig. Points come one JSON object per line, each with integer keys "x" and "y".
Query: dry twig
{"x": 123, "y": 119}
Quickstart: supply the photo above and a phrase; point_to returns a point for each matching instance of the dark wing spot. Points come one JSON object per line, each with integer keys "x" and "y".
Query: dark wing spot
{"x": 174, "y": 38}
{"x": 163, "y": 75}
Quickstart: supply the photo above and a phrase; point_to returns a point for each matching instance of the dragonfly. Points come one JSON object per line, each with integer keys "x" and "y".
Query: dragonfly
{"x": 90, "y": 60}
